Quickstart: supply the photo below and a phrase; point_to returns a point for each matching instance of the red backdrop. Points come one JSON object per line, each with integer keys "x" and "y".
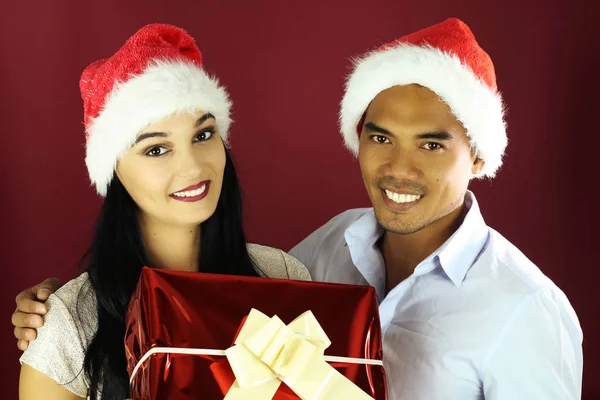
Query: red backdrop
{"x": 284, "y": 64}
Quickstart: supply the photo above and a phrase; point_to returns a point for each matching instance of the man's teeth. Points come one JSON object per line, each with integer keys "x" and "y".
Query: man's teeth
{"x": 191, "y": 193}
{"x": 402, "y": 198}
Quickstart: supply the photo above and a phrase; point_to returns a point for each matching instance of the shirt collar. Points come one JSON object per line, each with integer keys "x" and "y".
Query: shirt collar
{"x": 455, "y": 256}
{"x": 365, "y": 230}
{"x": 462, "y": 249}
{"x": 361, "y": 239}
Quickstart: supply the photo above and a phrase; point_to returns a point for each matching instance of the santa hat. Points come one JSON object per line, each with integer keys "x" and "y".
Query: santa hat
{"x": 447, "y": 59}
{"x": 157, "y": 73}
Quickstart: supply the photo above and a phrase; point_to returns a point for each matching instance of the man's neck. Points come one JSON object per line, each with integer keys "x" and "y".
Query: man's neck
{"x": 170, "y": 247}
{"x": 402, "y": 253}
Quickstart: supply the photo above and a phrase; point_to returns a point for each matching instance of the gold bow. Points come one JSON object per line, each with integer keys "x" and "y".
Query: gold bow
{"x": 268, "y": 352}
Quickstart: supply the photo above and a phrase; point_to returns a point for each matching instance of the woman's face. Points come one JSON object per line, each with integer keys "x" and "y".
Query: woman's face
{"x": 174, "y": 171}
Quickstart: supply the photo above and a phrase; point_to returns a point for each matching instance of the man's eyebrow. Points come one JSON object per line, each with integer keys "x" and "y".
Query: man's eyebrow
{"x": 441, "y": 135}
{"x": 371, "y": 127}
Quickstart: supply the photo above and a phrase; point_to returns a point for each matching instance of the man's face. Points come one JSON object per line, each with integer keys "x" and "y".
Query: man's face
{"x": 415, "y": 158}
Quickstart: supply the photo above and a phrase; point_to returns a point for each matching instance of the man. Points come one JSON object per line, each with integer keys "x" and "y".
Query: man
{"x": 465, "y": 314}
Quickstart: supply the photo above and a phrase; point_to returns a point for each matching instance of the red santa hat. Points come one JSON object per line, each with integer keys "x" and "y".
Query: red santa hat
{"x": 157, "y": 73}
{"x": 447, "y": 59}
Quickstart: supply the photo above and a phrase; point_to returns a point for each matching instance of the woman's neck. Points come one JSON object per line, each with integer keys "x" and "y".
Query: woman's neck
{"x": 170, "y": 246}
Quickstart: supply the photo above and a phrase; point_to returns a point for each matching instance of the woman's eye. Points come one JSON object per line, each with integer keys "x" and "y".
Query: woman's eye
{"x": 204, "y": 135}
{"x": 156, "y": 151}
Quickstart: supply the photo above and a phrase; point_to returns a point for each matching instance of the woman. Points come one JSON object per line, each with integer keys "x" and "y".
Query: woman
{"x": 156, "y": 129}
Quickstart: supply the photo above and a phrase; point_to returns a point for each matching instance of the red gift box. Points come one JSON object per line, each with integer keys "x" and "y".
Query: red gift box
{"x": 175, "y": 312}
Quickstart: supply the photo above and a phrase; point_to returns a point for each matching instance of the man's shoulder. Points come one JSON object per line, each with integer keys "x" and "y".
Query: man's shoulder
{"x": 516, "y": 267}
{"x": 527, "y": 290}
{"x": 341, "y": 222}
{"x": 332, "y": 230}
{"x": 329, "y": 237}
{"x": 518, "y": 278}
{"x": 514, "y": 285}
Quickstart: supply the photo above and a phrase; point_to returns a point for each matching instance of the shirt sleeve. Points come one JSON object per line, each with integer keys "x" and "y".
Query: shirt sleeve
{"x": 538, "y": 354}
{"x": 295, "y": 269}
{"x": 58, "y": 351}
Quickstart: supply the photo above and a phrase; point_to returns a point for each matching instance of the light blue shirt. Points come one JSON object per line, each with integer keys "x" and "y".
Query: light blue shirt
{"x": 475, "y": 320}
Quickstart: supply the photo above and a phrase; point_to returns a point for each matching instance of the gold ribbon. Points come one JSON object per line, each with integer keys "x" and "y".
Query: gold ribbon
{"x": 268, "y": 352}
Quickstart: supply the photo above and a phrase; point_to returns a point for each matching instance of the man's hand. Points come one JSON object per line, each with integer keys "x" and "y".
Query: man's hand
{"x": 30, "y": 310}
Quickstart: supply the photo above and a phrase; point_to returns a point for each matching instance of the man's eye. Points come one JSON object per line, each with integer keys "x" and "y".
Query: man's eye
{"x": 433, "y": 146}
{"x": 380, "y": 139}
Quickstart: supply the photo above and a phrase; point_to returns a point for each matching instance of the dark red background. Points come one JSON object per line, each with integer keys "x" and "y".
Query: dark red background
{"x": 284, "y": 63}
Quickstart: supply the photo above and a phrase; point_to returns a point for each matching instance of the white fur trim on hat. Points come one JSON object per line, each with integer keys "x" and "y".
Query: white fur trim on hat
{"x": 163, "y": 89}
{"x": 475, "y": 105}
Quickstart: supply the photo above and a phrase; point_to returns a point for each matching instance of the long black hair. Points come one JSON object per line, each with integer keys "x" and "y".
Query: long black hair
{"x": 115, "y": 260}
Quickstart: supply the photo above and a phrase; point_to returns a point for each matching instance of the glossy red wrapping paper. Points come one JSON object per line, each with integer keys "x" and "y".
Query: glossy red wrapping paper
{"x": 197, "y": 310}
